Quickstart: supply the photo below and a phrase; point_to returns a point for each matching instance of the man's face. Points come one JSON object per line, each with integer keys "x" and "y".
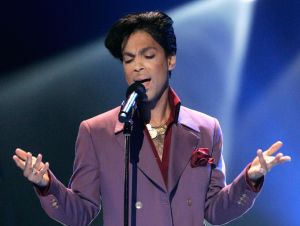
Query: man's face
{"x": 145, "y": 60}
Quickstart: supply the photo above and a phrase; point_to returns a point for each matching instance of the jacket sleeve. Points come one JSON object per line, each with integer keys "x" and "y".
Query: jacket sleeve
{"x": 226, "y": 202}
{"x": 78, "y": 204}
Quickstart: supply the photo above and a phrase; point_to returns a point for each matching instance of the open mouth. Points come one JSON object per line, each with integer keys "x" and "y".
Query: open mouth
{"x": 145, "y": 80}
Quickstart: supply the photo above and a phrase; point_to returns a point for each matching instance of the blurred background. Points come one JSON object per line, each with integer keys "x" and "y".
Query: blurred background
{"x": 238, "y": 60}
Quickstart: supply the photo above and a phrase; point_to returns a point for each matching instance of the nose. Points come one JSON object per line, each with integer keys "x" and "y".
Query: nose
{"x": 138, "y": 66}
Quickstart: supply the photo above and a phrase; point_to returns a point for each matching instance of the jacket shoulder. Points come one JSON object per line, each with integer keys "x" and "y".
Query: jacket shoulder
{"x": 196, "y": 119}
{"x": 104, "y": 120}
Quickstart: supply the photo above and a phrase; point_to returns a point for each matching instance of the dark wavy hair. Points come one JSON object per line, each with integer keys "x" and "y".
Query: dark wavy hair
{"x": 158, "y": 24}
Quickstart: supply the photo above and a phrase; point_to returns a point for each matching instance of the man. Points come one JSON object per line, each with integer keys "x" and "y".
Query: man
{"x": 177, "y": 177}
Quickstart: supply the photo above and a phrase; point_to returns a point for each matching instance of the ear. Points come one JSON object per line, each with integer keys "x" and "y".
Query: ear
{"x": 171, "y": 62}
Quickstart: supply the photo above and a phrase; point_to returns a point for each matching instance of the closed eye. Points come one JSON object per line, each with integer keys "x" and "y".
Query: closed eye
{"x": 127, "y": 61}
{"x": 128, "y": 57}
{"x": 149, "y": 56}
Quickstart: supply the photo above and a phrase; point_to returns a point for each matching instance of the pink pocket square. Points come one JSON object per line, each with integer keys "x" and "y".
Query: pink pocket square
{"x": 201, "y": 157}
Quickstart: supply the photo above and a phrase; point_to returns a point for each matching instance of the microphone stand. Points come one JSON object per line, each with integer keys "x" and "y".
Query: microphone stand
{"x": 127, "y": 132}
{"x": 135, "y": 92}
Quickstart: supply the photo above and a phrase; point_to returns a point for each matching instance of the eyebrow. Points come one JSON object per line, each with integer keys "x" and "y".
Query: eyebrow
{"x": 142, "y": 51}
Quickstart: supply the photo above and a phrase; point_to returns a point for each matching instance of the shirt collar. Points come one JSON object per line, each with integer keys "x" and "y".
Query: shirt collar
{"x": 175, "y": 106}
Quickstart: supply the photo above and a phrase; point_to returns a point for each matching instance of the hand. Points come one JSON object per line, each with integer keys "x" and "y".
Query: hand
{"x": 265, "y": 161}
{"x": 33, "y": 168}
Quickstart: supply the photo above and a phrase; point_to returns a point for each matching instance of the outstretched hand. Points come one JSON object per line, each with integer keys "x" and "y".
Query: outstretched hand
{"x": 33, "y": 168}
{"x": 265, "y": 161}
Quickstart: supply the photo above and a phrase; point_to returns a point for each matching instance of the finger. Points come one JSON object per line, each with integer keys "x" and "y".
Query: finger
{"x": 19, "y": 162}
{"x": 279, "y": 156}
{"x": 284, "y": 159}
{"x": 21, "y": 153}
{"x": 45, "y": 168}
{"x": 275, "y": 160}
{"x": 279, "y": 159}
{"x": 262, "y": 161}
{"x": 273, "y": 148}
{"x": 38, "y": 162}
{"x": 38, "y": 177}
{"x": 28, "y": 165}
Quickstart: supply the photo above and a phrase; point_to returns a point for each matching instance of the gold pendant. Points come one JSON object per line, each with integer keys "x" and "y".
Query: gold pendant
{"x": 153, "y": 133}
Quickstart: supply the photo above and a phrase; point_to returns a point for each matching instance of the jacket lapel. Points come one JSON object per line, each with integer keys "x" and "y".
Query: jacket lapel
{"x": 185, "y": 138}
{"x": 146, "y": 159}
{"x": 148, "y": 165}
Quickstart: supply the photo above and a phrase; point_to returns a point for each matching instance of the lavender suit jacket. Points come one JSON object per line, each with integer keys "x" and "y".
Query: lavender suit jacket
{"x": 193, "y": 194}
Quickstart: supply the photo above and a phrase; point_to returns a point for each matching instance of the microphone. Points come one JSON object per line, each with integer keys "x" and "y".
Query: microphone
{"x": 135, "y": 93}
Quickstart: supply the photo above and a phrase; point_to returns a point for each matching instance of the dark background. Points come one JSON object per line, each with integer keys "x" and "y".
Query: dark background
{"x": 46, "y": 90}
{"x": 36, "y": 30}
